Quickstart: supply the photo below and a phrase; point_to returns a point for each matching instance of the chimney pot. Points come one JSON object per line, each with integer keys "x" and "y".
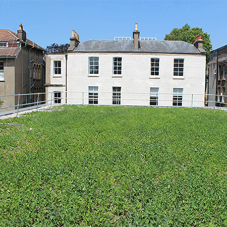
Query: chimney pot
{"x": 199, "y": 44}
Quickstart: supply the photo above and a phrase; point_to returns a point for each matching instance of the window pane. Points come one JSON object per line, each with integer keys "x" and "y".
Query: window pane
{"x": 177, "y": 96}
{"x": 57, "y": 97}
{"x": 93, "y": 65}
{"x": 93, "y": 95}
{"x": 155, "y": 66}
{"x": 117, "y": 64}
{"x": 178, "y": 67}
{"x": 57, "y": 67}
{"x": 154, "y": 96}
{"x": 116, "y": 96}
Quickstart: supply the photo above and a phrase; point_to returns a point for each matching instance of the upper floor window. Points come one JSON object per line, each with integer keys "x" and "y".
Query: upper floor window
{"x": 155, "y": 66}
{"x": 178, "y": 67}
{"x": 3, "y": 44}
{"x": 93, "y": 65}
{"x": 2, "y": 71}
{"x": 36, "y": 71}
{"x": 117, "y": 65}
{"x": 57, "y": 67}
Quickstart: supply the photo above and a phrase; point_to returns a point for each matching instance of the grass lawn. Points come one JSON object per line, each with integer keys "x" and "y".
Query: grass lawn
{"x": 114, "y": 166}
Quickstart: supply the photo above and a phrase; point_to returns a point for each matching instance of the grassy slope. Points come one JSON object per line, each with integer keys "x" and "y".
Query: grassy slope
{"x": 114, "y": 166}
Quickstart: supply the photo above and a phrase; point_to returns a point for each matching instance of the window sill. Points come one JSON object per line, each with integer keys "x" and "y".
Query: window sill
{"x": 2, "y": 81}
{"x": 93, "y": 75}
{"x": 178, "y": 77}
{"x": 154, "y": 77}
{"x": 116, "y": 76}
{"x": 57, "y": 76}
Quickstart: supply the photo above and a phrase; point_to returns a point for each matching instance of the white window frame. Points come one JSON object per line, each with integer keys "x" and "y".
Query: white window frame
{"x": 57, "y": 67}
{"x": 154, "y": 96}
{"x": 155, "y": 66}
{"x": 2, "y": 78}
{"x": 117, "y": 65}
{"x": 178, "y": 67}
{"x": 57, "y": 97}
{"x": 177, "y": 96}
{"x": 93, "y": 65}
{"x": 116, "y": 95}
{"x": 93, "y": 95}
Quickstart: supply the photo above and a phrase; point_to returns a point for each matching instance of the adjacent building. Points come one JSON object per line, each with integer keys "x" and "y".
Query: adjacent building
{"x": 128, "y": 72}
{"x": 217, "y": 86}
{"x": 22, "y": 68}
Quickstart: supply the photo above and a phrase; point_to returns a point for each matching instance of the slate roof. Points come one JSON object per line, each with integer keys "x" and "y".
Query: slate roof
{"x": 146, "y": 46}
{"x": 9, "y": 36}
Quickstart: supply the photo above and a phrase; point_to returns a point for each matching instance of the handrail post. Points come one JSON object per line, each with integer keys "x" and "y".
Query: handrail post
{"x": 192, "y": 101}
{"x": 18, "y": 104}
{"x": 38, "y": 102}
{"x": 51, "y": 97}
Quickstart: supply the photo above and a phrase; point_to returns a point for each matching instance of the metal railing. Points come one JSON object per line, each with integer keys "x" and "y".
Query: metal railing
{"x": 20, "y": 102}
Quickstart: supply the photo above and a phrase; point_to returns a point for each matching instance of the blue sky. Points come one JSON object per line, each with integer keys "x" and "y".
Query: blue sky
{"x": 52, "y": 21}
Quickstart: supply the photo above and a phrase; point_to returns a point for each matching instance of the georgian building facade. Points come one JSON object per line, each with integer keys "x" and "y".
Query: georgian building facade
{"x": 128, "y": 72}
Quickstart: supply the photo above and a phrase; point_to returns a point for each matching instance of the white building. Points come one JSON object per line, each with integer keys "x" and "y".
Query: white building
{"x": 128, "y": 72}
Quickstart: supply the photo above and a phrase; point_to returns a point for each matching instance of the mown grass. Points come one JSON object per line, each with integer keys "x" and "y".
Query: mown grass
{"x": 114, "y": 166}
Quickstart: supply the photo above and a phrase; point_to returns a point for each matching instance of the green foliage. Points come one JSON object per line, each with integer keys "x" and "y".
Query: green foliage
{"x": 188, "y": 34}
{"x": 114, "y": 166}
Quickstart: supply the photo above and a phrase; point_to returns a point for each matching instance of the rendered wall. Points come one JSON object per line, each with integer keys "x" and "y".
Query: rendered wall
{"x": 55, "y": 82}
{"x": 135, "y": 80}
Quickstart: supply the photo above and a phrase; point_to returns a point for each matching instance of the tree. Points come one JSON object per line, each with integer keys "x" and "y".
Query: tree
{"x": 188, "y": 34}
{"x": 55, "y": 48}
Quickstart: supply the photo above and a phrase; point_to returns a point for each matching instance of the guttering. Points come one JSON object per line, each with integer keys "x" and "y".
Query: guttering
{"x": 8, "y": 56}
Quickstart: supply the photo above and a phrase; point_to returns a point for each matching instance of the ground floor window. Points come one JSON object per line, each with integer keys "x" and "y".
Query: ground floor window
{"x": 154, "y": 96}
{"x": 57, "y": 97}
{"x": 177, "y": 96}
{"x": 116, "y": 97}
{"x": 93, "y": 95}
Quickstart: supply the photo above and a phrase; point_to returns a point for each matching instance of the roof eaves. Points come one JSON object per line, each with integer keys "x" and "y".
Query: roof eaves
{"x": 8, "y": 56}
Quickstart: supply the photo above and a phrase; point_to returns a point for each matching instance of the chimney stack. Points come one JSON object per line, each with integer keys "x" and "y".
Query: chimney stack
{"x": 136, "y": 35}
{"x": 74, "y": 40}
{"x": 199, "y": 44}
{"x": 21, "y": 33}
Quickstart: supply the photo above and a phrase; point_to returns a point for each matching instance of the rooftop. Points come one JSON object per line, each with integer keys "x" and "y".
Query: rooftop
{"x": 11, "y": 37}
{"x": 145, "y": 46}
